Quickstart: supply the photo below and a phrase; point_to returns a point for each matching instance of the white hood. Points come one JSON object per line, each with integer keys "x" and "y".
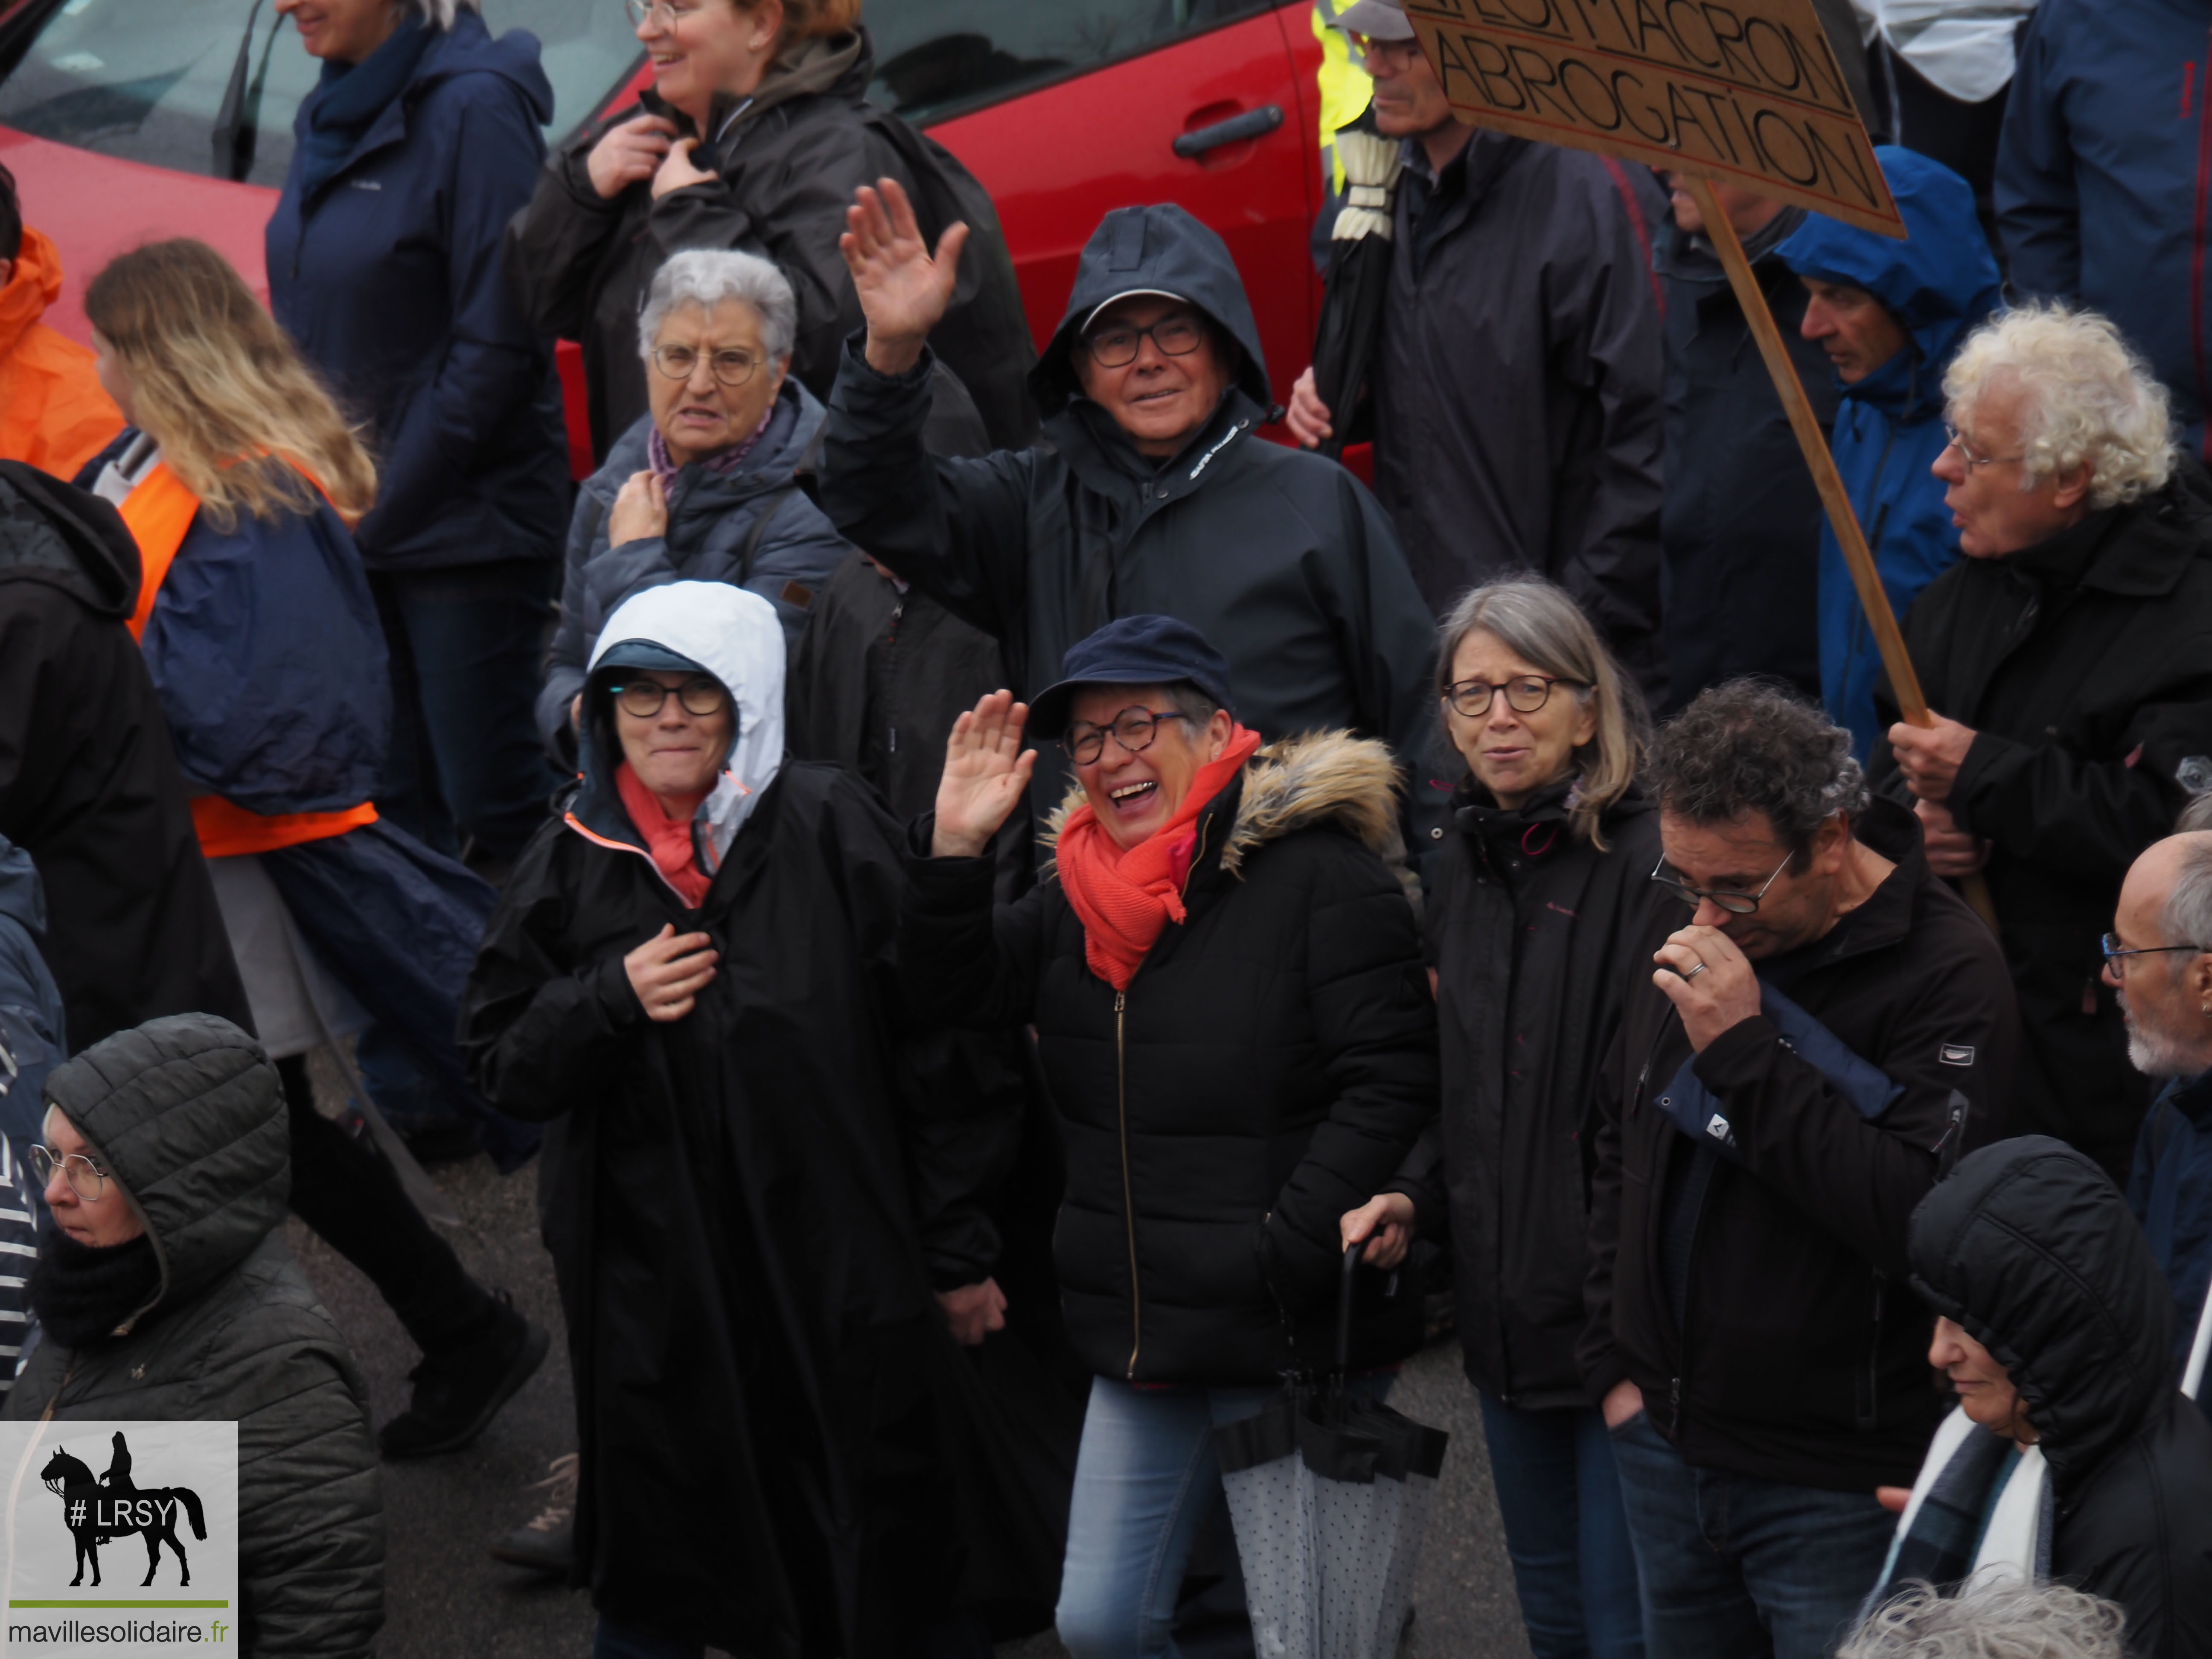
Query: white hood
{"x": 735, "y": 637}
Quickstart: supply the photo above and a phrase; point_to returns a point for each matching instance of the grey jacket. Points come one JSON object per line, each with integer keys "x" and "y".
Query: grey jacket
{"x": 1518, "y": 415}
{"x": 711, "y": 524}
{"x": 187, "y": 1114}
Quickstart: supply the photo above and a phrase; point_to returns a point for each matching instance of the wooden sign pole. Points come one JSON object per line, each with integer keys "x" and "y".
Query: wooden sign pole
{"x": 1874, "y": 599}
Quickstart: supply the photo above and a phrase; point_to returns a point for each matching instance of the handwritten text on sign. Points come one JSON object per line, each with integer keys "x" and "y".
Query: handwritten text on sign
{"x": 1747, "y": 90}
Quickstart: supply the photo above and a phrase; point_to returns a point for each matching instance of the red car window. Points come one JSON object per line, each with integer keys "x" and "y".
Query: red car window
{"x": 166, "y": 82}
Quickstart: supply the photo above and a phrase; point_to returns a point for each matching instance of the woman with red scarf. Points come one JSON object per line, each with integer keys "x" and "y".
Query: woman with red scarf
{"x": 1226, "y": 982}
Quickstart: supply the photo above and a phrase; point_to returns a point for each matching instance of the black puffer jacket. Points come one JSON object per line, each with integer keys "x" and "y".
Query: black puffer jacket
{"x": 2030, "y": 1250}
{"x": 188, "y": 1115}
{"x": 2084, "y": 666}
{"x": 1281, "y": 558}
{"x": 1266, "y": 1069}
{"x": 1528, "y": 928}
{"x": 786, "y": 163}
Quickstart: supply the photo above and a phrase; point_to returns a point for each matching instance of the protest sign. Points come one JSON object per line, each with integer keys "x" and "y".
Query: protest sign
{"x": 1748, "y": 91}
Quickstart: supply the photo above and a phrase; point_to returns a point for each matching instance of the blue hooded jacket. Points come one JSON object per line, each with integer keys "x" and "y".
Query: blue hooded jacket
{"x": 31, "y": 1025}
{"x": 389, "y": 278}
{"x": 2103, "y": 174}
{"x": 1940, "y": 284}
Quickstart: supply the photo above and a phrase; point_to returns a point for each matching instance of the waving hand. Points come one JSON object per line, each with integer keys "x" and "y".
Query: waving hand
{"x": 986, "y": 770}
{"x": 903, "y": 292}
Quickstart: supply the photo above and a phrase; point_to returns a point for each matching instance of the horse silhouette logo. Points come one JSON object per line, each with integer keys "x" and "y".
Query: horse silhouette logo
{"x": 108, "y": 1507}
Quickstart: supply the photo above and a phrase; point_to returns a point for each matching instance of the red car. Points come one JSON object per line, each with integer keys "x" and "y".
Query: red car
{"x": 128, "y": 120}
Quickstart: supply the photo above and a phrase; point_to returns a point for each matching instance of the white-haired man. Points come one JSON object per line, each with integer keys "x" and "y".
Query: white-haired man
{"x": 2158, "y": 958}
{"x": 2069, "y": 658}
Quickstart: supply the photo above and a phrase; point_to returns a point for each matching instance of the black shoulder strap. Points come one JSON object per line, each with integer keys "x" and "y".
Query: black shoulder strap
{"x": 774, "y": 504}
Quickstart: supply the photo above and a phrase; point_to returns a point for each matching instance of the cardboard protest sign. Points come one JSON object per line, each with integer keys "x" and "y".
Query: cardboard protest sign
{"x": 1748, "y": 91}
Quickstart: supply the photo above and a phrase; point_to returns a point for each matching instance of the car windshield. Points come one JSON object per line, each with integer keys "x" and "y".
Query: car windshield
{"x": 147, "y": 80}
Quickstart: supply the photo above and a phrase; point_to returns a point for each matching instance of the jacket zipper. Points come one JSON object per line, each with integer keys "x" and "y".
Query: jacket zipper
{"x": 1128, "y": 1202}
{"x": 1867, "y": 1412}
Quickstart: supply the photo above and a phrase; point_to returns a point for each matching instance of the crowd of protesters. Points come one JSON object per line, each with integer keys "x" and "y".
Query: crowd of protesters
{"x": 986, "y": 880}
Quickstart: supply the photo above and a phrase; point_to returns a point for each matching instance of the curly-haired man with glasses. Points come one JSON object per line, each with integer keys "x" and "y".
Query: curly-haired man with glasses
{"x": 1817, "y": 1028}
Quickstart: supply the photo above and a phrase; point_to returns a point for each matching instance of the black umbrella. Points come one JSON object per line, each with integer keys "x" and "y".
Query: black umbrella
{"x": 1358, "y": 272}
{"x": 1329, "y": 1494}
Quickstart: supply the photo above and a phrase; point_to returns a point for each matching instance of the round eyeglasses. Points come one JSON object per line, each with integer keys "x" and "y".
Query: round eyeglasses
{"x": 1116, "y": 346}
{"x": 1133, "y": 728}
{"x": 1969, "y": 457}
{"x": 730, "y": 366}
{"x": 659, "y": 11}
{"x": 85, "y": 1178}
{"x": 1524, "y": 694}
{"x": 643, "y": 699}
{"x": 2116, "y": 954}
{"x": 1736, "y": 904}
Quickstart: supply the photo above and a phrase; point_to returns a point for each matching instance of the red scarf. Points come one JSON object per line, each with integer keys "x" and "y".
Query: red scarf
{"x": 669, "y": 839}
{"x": 1123, "y": 899}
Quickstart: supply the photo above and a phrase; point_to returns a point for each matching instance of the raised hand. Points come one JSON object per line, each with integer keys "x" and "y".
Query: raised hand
{"x": 986, "y": 771}
{"x": 903, "y": 292}
{"x": 629, "y": 153}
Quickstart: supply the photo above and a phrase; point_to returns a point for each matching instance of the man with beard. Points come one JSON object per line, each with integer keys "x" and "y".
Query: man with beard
{"x": 2159, "y": 958}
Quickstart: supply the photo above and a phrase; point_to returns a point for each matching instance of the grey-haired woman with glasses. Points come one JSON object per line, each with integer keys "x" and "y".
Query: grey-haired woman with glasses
{"x": 701, "y": 488}
{"x": 1539, "y": 890}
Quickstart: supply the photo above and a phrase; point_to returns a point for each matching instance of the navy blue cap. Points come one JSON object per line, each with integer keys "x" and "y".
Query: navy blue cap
{"x": 1130, "y": 651}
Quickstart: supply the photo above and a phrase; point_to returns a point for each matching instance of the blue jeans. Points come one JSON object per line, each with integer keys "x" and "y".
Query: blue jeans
{"x": 1566, "y": 1531}
{"x": 466, "y": 645}
{"x": 1735, "y": 1566}
{"x": 1144, "y": 1477}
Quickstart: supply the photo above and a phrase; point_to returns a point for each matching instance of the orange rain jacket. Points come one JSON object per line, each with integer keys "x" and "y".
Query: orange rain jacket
{"x": 53, "y": 412}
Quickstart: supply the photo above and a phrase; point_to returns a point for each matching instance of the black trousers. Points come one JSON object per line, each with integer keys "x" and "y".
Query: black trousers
{"x": 351, "y": 1198}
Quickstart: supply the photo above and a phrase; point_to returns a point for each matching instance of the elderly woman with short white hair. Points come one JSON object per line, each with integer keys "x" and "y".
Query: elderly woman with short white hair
{"x": 701, "y": 489}
{"x": 2069, "y": 659}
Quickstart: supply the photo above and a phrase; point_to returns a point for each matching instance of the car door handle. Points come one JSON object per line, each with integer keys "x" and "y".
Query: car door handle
{"x": 1250, "y": 125}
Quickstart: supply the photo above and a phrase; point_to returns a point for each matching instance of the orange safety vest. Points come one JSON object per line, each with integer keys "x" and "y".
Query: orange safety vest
{"x": 160, "y": 511}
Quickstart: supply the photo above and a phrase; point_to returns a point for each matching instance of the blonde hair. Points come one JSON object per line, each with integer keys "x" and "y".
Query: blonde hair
{"x": 1538, "y": 621}
{"x": 2088, "y": 399}
{"x": 239, "y": 416}
{"x": 809, "y": 20}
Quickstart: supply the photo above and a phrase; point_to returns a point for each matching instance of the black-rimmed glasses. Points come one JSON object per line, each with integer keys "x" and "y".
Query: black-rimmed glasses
{"x": 644, "y": 699}
{"x": 730, "y": 366}
{"x": 2115, "y": 954}
{"x": 1116, "y": 345}
{"x": 1736, "y": 904}
{"x": 1524, "y": 694}
{"x": 1133, "y": 728}
{"x": 85, "y": 1178}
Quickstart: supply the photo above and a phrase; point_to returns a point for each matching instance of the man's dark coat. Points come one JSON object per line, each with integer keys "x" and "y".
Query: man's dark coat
{"x": 2031, "y": 1250}
{"x": 2084, "y": 666}
{"x": 1517, "y": 415}
{"x": 1281, "y": 558}
{"x": 1798, "y": 1356}
{"x": 88, "y": 783}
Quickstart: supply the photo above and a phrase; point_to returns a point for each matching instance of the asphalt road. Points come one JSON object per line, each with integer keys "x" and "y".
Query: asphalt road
{"x": 447, "y": 1599}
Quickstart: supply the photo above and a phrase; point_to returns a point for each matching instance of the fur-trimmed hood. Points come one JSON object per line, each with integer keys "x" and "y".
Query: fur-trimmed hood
{"x": 1298, "y": 783}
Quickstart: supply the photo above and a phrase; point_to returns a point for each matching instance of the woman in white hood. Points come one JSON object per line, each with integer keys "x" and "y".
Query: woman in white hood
{"x": 691, "y": 978}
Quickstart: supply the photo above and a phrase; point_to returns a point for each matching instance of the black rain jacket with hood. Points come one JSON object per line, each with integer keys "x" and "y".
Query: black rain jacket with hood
{"x": 2031, "y": 1251}
{"x": 779, "y": 1438}
{"x": 187, "y": 1116}
{"x": 1281, "y": 558}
